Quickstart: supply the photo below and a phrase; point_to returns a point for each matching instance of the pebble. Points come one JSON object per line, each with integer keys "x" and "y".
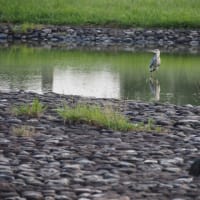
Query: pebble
{"x": 150, "y": 161}
{"x": 184, "y": 180}
{"x": 32, "y": 195}
{"x": 169, "y": 162}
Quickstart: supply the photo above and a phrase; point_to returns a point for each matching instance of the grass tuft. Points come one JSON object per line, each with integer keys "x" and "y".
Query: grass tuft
{"x": 105, "y": 118}
{"x": 35, "y": 109}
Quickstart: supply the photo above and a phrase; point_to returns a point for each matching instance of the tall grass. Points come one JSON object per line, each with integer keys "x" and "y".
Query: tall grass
{"x": 143, "y": 13}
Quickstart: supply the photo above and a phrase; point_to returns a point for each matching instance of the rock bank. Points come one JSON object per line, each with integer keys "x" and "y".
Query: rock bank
{"x": 81, "y": 162}
{"x": 69, "y": 37}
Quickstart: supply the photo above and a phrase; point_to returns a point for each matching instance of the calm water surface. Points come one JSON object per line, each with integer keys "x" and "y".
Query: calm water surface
{"x": 101, "y": 74}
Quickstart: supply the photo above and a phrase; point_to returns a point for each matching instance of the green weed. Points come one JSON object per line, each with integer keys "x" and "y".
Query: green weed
{"x": 35, "y": 109}
{"x": 101, "y": 117}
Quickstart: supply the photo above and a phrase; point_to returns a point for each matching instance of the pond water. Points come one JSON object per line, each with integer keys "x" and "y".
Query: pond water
{"x": 123, "y": 75}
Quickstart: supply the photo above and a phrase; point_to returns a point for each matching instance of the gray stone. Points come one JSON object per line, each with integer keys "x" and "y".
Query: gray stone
{"x": 169, "y": 162}
{"x": 3, "y": 36}
{"x": 14, "y": 121}
{"x": 93, "y": 178}
{"x": 184, "y": 180}
{"x": 61, "y": 181}
{"x": 109, "y": 141}
{"x": 47, "y": 30}
{"x": 33, "y": 195}
{"x": 71, "y": 166}
{"x": 130, "y": 152}
{"x": 50, "y": 172}
{"x": 173, "y": 169}
{"x": 151, "y": 161}
{"x": 194, "y": 43}
{"x": 62, "y": 197}
{"x": 4, "y": 142}
{"x": 2, "y": 158}
{"x": 84, "y": 161}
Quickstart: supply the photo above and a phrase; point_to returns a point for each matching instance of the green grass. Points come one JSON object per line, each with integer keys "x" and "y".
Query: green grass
{"x": 100, "y": 117}
{"x": 142, "y": 13}
{"x": 35, "y": 109}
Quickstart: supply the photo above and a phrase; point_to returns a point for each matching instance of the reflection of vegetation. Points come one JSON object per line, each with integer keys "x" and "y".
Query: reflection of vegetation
{"x": 36, "y": 109}
{"x": 182, "y": 13}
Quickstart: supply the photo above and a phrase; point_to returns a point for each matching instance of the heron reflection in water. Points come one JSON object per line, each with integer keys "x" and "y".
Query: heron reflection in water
{"x": 153, "y": 82}
{"x": 155, "y": 62}
{"x": 154, "y": 88}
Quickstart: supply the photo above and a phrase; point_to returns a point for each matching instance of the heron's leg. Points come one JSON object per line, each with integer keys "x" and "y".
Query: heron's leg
{"x": 151, "y": 74}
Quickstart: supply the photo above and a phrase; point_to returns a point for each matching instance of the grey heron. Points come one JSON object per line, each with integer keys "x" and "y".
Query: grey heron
{"x": 155, "y": 62}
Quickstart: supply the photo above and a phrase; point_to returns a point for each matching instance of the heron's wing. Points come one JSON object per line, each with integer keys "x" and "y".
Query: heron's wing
{"x": 152, "y": 63}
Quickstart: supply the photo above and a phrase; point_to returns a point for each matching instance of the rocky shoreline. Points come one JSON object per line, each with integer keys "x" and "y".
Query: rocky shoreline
{"x": 82, "y": 162}
{"x": 99, "y": 38}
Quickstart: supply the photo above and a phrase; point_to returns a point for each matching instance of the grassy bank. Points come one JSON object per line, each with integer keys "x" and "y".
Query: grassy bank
{"x": 130, "y": 13}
